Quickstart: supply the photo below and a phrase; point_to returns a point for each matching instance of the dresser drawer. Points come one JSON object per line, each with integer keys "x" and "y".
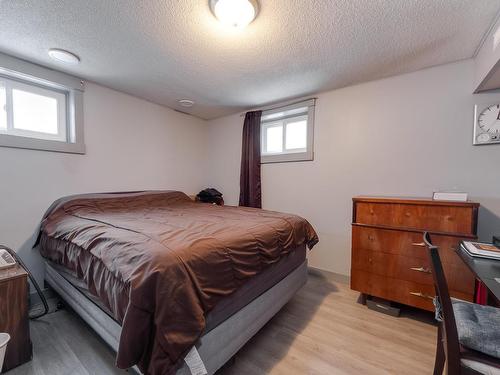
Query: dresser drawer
{"x": 392, "y": 265}
{"x": 438, "y": 218}
{"x": 412, "y": 269}
{"x": 405, "y": 243}
{"x": 402, "y": 291}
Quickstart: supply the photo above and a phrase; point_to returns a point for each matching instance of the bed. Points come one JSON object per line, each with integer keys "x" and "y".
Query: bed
{"x": 163, "y": 279}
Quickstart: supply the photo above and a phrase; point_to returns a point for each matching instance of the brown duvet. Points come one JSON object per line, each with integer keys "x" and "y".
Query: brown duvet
{"x": 160, "y": 262}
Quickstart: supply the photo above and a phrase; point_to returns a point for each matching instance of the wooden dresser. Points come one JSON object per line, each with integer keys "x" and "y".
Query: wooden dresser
{"x": 14, "y": 316}
{"x": 389, "y": 259}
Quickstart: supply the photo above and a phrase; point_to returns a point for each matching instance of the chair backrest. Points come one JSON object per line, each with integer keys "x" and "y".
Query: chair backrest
{"x": 449, "y": 326}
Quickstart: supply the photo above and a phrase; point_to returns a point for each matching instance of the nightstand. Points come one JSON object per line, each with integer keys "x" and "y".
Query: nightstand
{"x": 14, "y": 316}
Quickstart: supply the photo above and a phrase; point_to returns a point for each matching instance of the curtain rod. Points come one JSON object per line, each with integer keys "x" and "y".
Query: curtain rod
{"x": 278, "y": 106}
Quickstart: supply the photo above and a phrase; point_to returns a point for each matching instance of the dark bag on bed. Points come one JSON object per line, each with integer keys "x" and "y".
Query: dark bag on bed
{"x": 210, "y": 195}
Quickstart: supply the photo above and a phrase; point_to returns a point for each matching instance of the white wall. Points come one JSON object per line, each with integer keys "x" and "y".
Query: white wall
{"x": 405, "y": 135}
{"x": 131, "y": 145}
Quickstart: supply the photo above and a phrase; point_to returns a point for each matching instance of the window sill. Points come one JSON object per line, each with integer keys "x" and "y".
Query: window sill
{"x": 287, "y": 158}
{"x": 41, "y": 144}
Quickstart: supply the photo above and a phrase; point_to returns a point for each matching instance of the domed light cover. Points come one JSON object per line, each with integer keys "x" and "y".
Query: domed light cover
{"x": 63, "y": 56}
{"x": 186, "y": 103}
{"x": 235, "y": 13}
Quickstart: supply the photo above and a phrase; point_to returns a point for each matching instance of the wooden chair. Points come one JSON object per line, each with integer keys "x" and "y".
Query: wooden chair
{"x": 468, "y": 333}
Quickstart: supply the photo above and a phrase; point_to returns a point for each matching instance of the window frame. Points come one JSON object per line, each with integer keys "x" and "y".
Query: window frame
{"x": 283, "y": 123}
{"x": 289, "y": 155}
{"x": 59, "y": 96}
{"x": 36, "y": 79}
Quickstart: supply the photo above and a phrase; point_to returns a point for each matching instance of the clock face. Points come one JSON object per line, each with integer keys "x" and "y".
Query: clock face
{"x": 487, "y": 126}
{"x": 489, "y": 120}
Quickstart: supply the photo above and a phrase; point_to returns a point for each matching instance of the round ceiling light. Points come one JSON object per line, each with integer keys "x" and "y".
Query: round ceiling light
{"x": 186, "y": 103}
{"x": 235, "y": 13}
{"x": 64, "y": 56}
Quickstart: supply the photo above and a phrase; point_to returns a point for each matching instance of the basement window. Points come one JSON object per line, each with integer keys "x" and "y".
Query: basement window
{"x": 39, "y": 108}
{"x": 287, "y": 133}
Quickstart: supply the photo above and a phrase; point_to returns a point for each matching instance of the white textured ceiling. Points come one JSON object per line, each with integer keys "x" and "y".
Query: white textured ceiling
{"x": 165, "y": 50}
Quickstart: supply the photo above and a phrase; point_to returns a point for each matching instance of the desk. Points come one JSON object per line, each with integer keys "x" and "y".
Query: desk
{"x": 485, "y": 270}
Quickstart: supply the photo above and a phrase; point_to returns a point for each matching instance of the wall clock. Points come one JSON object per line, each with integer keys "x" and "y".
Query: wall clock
{"x": 486, "y": 124}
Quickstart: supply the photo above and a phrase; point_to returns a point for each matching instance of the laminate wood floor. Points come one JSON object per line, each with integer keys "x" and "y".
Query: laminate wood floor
{"x": 322, "y": 330}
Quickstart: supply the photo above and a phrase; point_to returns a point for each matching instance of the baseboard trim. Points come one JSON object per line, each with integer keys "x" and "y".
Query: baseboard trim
{"x": 337, "y": 277}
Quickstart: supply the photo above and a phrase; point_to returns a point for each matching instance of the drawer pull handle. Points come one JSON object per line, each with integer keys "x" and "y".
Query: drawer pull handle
{"x": 421, "y": 269}
{"x": 421, "y": 244}
{"x": 422, "y": 295}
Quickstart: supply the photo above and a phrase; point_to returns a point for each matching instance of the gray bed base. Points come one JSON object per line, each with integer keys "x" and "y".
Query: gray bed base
{"x": 217, "y": 346}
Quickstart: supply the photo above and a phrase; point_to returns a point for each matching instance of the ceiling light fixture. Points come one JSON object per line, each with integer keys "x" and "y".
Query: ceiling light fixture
{"x": 64, "y": 56}
{"x": 186, "y": 103}
{"x": 235, "y": 13}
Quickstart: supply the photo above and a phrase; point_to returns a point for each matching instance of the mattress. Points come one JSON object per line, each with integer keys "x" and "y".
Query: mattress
{"x": 226, "y": 307}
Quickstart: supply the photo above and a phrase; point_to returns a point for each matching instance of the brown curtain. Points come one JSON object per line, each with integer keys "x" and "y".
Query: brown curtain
{"x": 250, "y": 193}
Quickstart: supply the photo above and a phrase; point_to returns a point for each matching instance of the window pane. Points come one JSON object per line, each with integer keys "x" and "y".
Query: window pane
{"x": 3, "y": 107}
{"x": 34, "y": 112}
{"x": 296, "y": 135}
{"x": 274, "y": 136}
